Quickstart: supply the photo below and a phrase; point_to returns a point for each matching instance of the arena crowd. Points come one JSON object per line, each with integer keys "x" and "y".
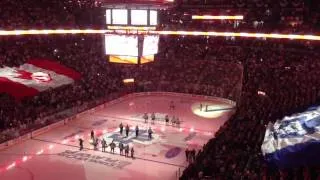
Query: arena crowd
{"x": 267, "y": 78}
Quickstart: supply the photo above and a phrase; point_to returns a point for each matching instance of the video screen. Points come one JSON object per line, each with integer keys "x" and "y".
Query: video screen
{"x": 121, "y": 45}
{"x": 147, "y": 59}
{"x": 150, "y": 45}
{"x": 108, "y": 16}
{"x": 123, "y": 59}
{"x": 139, "y": 17}
{"x": 120, "y": 16}
{"x": 131, "y": 59}
{"x": 153, "y": 18}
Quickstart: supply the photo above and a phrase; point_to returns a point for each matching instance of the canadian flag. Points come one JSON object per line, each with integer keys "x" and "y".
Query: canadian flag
{"x": 35, "y": 76}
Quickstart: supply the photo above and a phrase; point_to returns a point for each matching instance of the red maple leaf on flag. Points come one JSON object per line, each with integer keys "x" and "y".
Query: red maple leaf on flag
{"x": 22, "y": 74}
{"x": 37, "y": 76}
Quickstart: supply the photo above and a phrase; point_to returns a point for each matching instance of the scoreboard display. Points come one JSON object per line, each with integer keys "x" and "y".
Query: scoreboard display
{"x": 150, "y": 45}
{"x": 121, "y": 45}
{"x": 132, "y": 17}
{"x": 131, "y": 49}
{"x": 128, "y": 48}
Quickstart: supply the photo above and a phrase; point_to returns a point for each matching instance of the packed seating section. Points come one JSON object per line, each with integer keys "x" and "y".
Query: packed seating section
{"x": 286, "y": 71}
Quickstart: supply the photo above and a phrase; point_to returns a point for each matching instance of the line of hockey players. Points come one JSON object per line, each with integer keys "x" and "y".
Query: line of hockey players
{"x": 137, "y": 130}
{"x": 205, "y": 107}
{"x": 124, "y": 149}
{"x": 175, "y": 121}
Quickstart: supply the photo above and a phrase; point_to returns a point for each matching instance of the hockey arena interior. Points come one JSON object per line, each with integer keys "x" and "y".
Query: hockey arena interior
{"x": 160, "y": 90}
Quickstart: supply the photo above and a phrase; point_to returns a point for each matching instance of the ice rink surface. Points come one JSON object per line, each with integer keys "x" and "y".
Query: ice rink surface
{"x": 55, "y": 155}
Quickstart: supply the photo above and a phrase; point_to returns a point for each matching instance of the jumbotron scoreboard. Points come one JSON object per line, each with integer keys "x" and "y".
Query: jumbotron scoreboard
{"x": 131, "y": 16}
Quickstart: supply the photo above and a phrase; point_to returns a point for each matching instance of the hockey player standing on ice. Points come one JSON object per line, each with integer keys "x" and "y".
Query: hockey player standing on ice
{"x": 178, "y": 122}
{"x": 137, "y": 131}
{"x": 173, "y": 120}
{"x": 127, "y": 130}
{"x": 150, "y": 133}
{"x": 121, "y": 128}
{"x": 126, "y": 151}
{"x": 121, "y": 147}
{"x": 153, "y": 117}
{"x": 81, "y": 144}
{"x": 171, "y": 107}
{"x": 112, "y": 146}
{"x": 167, "y": 119}
{"x": 92, "y": 135}
{"x": 132, "y": 152}
{"x": 104, "y": 145}
{"x": 95, "y": 144}
{"x": 145, "y": 117}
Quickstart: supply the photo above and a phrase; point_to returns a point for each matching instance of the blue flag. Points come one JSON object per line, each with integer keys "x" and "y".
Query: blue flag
{"x": 294, "y": 141}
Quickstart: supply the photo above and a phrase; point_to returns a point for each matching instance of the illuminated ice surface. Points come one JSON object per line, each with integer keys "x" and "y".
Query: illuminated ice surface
{"x": 55, "y": 155}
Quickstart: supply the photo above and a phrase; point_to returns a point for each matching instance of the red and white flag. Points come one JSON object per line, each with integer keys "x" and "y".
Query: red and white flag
{"x": 35, "y": 76}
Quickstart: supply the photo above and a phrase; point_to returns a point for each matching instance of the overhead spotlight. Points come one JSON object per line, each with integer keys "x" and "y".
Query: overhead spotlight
{"x": 51, "y": 146}
{"x": 163, "y": 129}
{"x": 192, "y": 129}
{"x": 180, "y": 129}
